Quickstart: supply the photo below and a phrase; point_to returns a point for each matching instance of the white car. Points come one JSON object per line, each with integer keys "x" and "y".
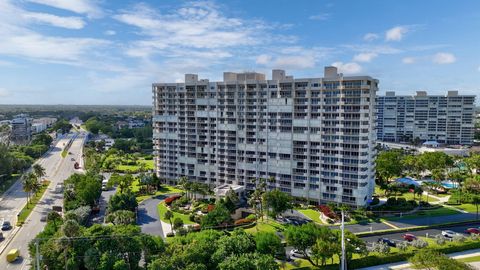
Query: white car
{"x": 297, "y": 254}
{"x": 448, "y": 233}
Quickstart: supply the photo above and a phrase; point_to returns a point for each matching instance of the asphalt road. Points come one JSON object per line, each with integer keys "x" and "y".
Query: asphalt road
{"x": 57, "y": 170}
{"x": 397, "y": 237}
{"x": 147, "y": 216}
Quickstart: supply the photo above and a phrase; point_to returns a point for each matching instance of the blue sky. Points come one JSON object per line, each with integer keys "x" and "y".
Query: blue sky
{"x": 109, "y": 52}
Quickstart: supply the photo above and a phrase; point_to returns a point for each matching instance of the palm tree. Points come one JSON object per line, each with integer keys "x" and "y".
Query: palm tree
{"x": 38, "y": 170}
{"x": 168, "y": 215}
{"x": 184, "y": 183}
{"x": 28, "y": 183}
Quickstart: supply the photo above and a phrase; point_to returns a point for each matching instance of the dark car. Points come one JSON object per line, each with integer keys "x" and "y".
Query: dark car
{"x": 6, "y": 225}
{"x": 409, "y": 237}
{"x": 387, "y": 241}
{"x": 472, "y": 231}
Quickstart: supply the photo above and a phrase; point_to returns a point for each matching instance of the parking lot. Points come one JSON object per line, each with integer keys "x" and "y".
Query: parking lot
{"x": 398, "y": 237}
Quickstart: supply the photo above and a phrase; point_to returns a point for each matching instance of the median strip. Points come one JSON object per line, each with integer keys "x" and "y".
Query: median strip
{"x": 28, "y": 208}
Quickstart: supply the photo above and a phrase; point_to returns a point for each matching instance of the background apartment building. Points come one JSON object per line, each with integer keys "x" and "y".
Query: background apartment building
{"x": 313, "y": 137}
{"x": 446, "y": 119}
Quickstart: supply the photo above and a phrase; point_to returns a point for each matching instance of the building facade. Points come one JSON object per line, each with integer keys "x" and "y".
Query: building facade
{"x": 21, "y": 130}
{"x": 312, "y": 138}
{"x": 446, "y": 119}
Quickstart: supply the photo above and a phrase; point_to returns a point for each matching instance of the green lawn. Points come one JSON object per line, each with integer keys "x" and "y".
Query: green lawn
{"x": 442, "y": 211}
{"x": 136, "y": 168}
{"x": 471, "y": 208}
{"x": 265, "y": 226}
{"x": 162, "y": 208}
{"x": 407, "y": 196}
{"x": 312, "y": 214}
{"x": 164, "y": 189}
{"x": 33, "y": 202}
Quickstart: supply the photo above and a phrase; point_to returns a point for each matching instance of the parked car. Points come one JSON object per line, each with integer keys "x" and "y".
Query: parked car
{"x": 44, "y": 217}
{"x": 448, "y": 233}
{"x": 472, "y": 231}
{"x": 409, "y": 237}
{"x": 387, "y": 241}
{"x": 72, "y": 159}
{"x": 1, "y": 236}
{"x": 297, "y": 254}
{"x": 6, "y": 225}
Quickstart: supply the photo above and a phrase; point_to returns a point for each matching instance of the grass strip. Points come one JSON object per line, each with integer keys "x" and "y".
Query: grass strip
{"x": 64, "y": 153}
{"x": 162, "y": 208}
{"x": 28, "y": 208}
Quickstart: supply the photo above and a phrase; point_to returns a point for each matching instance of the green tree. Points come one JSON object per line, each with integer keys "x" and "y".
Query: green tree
{"x": 269, "y": 243}
{"x": 218, "y": 216}
{"x": 121, "y": 217}
{"x": 168, "y": 215}
{"x": 29, "y": 184}
{"x": 122, "y": 201}
{"x": 277, "y": 201}
{"x": 388, "y": 165}
{"x": 6, "y": 162}
{"x": 304, "y": 237}
{"x": 177, "y": 223}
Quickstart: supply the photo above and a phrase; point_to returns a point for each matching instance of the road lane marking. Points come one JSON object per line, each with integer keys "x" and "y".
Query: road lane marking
{"x": 389, "y": 224}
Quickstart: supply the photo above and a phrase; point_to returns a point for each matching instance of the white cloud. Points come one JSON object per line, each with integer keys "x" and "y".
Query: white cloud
{"x": 78, "y": 6}
{"x": 320, "y": 17}
{"x": 396, "y": 33}
{"x": 348, "y": 68}
{"x": 110, "y": 33}
{"x": 64, "y": 22}
{"x": 55, "y": 49}
{"x": 4, "y": 92}
{"x": 295, "y": 62}
{"x": 364, "y": 57}
{"x": 198, "y": 25}
{"x": 370, "y": 37}
{"x": 408, "y": 60}
{"x": 263, "y": 59}
{"x": 444, "y": 58}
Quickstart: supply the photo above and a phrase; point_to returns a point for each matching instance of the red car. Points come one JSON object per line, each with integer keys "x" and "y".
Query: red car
{"x": 409, "y": 237}
{"x": 472, "y": 231}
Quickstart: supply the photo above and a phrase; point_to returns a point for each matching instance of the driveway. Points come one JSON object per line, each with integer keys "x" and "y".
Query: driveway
{"x": 147, "y": 216}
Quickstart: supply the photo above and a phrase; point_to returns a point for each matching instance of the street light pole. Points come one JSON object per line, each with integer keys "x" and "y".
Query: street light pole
{"x": 343, "y": 261}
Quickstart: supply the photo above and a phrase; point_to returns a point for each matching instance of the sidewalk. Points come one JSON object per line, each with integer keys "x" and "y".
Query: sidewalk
{"x": 406, "y": 265}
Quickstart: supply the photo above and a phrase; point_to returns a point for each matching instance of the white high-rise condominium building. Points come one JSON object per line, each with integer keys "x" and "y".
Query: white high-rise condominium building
{"x": 313, "y": 137}
{"x": 446, "y": 119}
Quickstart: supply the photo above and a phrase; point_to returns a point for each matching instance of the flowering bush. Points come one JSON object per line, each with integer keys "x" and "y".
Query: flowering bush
{"x": 170, "y": 199}
{"x": 327, "y": 211}
{"x": 243, "y": 221}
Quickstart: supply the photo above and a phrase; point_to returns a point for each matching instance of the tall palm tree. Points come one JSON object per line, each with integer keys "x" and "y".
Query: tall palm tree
{"x": 28, "y": 183}
{"x": 38, "y": 170}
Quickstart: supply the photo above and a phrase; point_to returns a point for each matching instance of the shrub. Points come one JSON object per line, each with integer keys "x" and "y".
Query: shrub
{"x": 170, "y": 199}
{"x": 459, "y": 238}
{"x": 380, "y": 247}
{"x": 440, "y": 240}
{"x": 251, "y": 217}
{"x": 182, "y": 231}
{"x": 191, "y": 217}
{"x": 170, "y": 234}
{"x": 419, "y": 243}
{"x": 402, "y": 246}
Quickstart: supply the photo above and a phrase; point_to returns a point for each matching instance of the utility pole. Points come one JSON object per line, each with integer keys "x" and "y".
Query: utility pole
{"x": 343, "y": 261}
